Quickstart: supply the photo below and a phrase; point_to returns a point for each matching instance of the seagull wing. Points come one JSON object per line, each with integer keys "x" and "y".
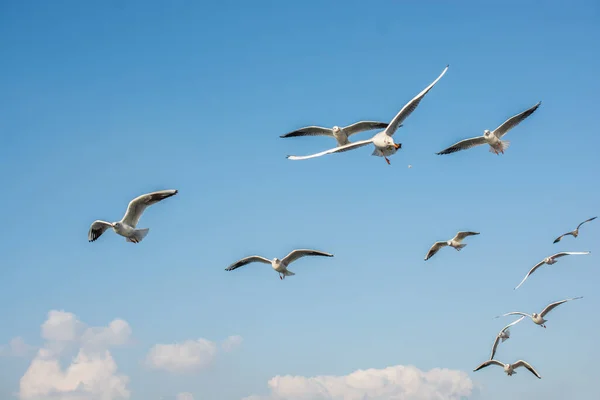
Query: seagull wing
{"x": 525, "y": 364}
{"x": 339, "y": 149}
{"x": 552, "y": 306}
{"x": 361, "y": 126}
{"x": 309, "y": 131}
{"x": 531, "y": 271}
{"x": 487, "y": 363}
{"x": 97, "y": 228}
{"x": 497, "y": 340}
{"x": 464, "y": 145}
{"x": 494, "y": 347}
{"x": 514, "y": 121}
{"x": 587, "y": 220}
{"x": 462, "y": 235}
{"x": 569, "y": 253}
{"x": 434, "y": 249}
{"x": 296, "y": 254}
{"x": 137, "y": 206}
{"x": 561, "y": 236}
{"x": 410, "y": 107}
{"x": 516, "y": 313}
{"x": 247, "y": 260}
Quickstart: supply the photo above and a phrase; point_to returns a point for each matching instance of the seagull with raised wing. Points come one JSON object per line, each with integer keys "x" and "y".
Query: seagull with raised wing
{"x": 509, "y": 368}
{"x": 553, "y": 259}
{"x": 127, "y": 225}
{"x": 281, "y": 266}
{"x": 455, "y": 242}
{"x": 383, "y": 141}
{"x": 341, "y": 135}
{"x": 574, "y": 233}
{"x": 539, "y": 318}
{"x": 492, "y": 138}
{"x": 503, "y": 335}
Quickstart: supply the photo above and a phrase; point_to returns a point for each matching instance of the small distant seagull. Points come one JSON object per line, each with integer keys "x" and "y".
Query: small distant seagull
{"x": 492, "y": 138}
{"x": 127, "y": 225}
{"x": 539, "y": 318}
{"x": 550, "y": 260}
{"x": 383, "y": 141}
{"x": 409, "y": 166}
{"x": 341, "y": 135}
{"x": 277, "y": 264}
{"x": 503, "y": 335}
{"x": 574, "y": 233}
{"x": 509, "y": 368}
{"x": 454, "y": 242}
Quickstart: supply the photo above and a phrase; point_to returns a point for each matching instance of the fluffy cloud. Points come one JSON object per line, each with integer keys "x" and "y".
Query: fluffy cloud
{"x": 185, "y": 396}
{"x": 16, "y": 348}
{"x": 182, "y": 357}
{"x": 92, "y": 374}
{"x": 231, "y": 343}
{"x": 392, "y": 383}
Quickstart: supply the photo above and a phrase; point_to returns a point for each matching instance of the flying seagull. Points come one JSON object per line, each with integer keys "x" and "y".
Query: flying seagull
{"x": 503, "y": 335}
{"x": 454, "y": 242}
{"x": 341, "y": 135}
{"x": 492, "y": 138}
{"x": 509, "y": 368}
{"x": 574, "y": 233}
{"x": 539, "y": 318}
{"x": 127, "y": 225}
{"x": 383, "y": 141}
{"x": 550, "y": 260}
{"x": 277, "y": 264}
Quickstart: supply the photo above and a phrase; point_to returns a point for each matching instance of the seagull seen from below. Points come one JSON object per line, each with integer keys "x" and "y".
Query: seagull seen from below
{"x": 574, "y": 233}
{"x": 127, "y": 225}
{"x": 383, "y": 141}
{"x": 455, "y": 242}
{"x": 553, "y": 259}
{"x": 492, "y": 138}
{"x": 281, "y": 266}
{"x": 509, "y": 368}
{"x": 341, "y": 135}
{"x": 503, "y": 335}
{"x": 539, "y": 318}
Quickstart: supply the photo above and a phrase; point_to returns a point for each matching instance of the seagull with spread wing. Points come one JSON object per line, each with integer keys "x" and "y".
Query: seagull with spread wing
{"x": 509, "y": 368}
{"x": 127, "y": 225}
{"x": 503, "y": 335}
{"x": 539, "y": 318}
{"x": 383, "y": 142}
{"x": 455, "y": 242}
{"x": 553, "y": 259}
{"x": 492, "y": 138}
{"x": 574, "y": 233}
{"x": 341, "y": 135}
{"x": 278, "y": 265}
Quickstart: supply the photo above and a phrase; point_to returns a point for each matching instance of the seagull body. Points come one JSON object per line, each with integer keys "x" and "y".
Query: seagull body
{"x": 574, "y": 233}
{"x": 455, "y": 242}
{"x": 509, "y": 368}
{"x": 126, "y": 227}
{"x": 539, "y": 318}
{"x": 503, "y": 335}
{"x": 550, "y": 260}
{"x": 383, "y": 141}
{"x": 281, "y": 266}
{"x": 341, "y": 135}
{"x": 492, "y": 138}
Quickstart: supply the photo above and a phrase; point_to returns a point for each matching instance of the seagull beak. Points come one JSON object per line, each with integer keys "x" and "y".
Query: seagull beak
{"x": 398, "y": 145}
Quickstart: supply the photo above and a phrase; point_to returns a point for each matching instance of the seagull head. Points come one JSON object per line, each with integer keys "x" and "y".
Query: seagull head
{"x": 117, "y": 225}
{"x": 534, "y": 315}
{"x": 336, "y": 129}
{"x": 487, "y": 133}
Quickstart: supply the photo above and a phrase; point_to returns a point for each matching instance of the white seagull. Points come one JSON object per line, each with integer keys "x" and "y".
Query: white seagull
{"x": 503, "y": 335}
{"x": 574, "y": 233}
{"x": 539, "y": 318}
{"x": 509, "y": 368}
{"x": 383, "y": 141}
{"x": 277, "y": 264}
{"x": 493, "y": 138}
{"x": 550, "y": 260}
{"x": 127, "y": 225}
{"x": 455, "y": 242}
{"x": 341, "y": 135}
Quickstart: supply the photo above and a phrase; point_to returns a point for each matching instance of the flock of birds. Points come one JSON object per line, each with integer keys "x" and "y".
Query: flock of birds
{"x": 384, "y": 146}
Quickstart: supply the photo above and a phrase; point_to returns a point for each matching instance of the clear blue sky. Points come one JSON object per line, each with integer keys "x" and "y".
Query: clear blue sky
{"x": 103, "y": 101}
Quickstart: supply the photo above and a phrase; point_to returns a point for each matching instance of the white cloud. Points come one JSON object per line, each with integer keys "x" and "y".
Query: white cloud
{"x": 92, "y": 374}
{"x": 392, "y": 383}
{"x": 184, "y": 396}
{"x": 182, "y": 357}
{"x": 232, "y": 343}
{"x": 16, "y": 348}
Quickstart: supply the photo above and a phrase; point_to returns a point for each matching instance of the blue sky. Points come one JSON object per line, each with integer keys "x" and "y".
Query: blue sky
{"x": 104, "y": 101}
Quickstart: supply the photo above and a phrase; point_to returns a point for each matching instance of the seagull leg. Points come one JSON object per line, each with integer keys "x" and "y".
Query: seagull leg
{"x": 386, "y": 160}
{"x": 280, "y": 276}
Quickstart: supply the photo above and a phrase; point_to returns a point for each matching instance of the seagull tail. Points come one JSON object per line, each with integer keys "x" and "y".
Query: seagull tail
{"x": 138, "y": 235}
{"x": 504, "y": 144}
{"x": 460, "y": 246}
{"x": 288, "y": 273}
